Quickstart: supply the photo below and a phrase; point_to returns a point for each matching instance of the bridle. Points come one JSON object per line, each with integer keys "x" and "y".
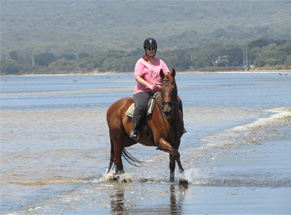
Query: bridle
{"x": 163, "y": 103}
{"x": 170, "y": 103}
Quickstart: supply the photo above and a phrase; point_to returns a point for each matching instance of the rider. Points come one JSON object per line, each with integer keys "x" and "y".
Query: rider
{"x": 147, "y": 75}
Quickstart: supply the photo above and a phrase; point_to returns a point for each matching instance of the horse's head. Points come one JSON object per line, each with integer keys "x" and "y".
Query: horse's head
{"x": 168, "y": 92}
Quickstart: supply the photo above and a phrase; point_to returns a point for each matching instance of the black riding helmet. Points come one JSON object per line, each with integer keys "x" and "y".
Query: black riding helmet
{"x": 149, "y": 43}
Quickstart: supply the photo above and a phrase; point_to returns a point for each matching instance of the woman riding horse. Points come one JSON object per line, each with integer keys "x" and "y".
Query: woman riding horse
{"x": 147, "y": 76}
{"x": 165, "y": 123}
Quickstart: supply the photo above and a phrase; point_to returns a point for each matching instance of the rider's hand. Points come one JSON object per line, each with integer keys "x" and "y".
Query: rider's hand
{"x": 152, "y": 87}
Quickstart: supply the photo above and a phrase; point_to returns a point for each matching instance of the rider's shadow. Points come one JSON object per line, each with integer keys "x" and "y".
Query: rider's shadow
{"x": 175, "y": 195}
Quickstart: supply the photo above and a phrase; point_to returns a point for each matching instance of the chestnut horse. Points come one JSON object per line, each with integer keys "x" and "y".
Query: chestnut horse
{"x": 165, "y": 123}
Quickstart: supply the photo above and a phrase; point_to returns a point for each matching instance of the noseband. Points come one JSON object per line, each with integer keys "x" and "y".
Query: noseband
{"x": 171, "y": 104}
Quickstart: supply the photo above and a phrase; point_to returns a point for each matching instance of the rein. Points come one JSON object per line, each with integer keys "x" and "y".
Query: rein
{"x": 170, "y": 103}
{"x": 163, "y": 116}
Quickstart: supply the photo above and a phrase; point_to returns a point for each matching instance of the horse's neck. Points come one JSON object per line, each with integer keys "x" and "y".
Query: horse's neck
{"x": 175, "y": 115}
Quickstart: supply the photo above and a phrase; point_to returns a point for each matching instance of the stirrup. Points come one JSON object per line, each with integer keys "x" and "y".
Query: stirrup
{"x": 134, "y": 134}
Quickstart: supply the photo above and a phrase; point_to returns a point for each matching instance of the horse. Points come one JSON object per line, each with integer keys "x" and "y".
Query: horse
{"x": 165, "y": 123}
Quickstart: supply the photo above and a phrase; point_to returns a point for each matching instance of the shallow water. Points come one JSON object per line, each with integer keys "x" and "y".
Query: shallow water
{"x": 55, "y": 147}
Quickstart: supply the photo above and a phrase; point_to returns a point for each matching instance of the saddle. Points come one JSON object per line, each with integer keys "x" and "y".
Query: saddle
{"x": 150, "y": 106}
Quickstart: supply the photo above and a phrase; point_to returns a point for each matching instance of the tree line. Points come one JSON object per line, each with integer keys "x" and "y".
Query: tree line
{"x": 261, "y": 54}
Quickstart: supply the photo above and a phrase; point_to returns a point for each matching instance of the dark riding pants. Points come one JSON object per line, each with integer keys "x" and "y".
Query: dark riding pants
{"x": 141, "y": 99}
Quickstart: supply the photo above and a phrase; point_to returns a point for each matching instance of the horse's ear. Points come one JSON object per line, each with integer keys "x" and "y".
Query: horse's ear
{"x": 162, "y": 74}
{"x": 173, "y": 73}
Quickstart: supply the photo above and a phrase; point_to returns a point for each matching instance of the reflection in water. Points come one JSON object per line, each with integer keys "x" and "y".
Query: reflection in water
{"x": 120, "y": 204}
{"x": 176, "y": 206}
{"x": 117, "y": 202}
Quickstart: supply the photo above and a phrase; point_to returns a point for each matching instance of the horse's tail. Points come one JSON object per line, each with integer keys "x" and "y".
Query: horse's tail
{"x": 111, "y": 156}
{"x": 130, "y": 159}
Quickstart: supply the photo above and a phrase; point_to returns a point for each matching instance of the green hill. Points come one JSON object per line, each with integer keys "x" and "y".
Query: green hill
{"x": 93, "y": 26}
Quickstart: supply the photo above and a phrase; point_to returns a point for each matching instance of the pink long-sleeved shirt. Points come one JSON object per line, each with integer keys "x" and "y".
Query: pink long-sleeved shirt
{"x": 150, "y": 73}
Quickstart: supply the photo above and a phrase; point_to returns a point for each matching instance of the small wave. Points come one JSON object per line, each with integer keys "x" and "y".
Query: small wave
{"x": 65, "y": 92}
{"x": 48, "y": 181}
{"x": 196, "y": 177}
{"x": 278, "y": 113}
{"x": 254, "y": 132}
{"x": 249, "y": 182}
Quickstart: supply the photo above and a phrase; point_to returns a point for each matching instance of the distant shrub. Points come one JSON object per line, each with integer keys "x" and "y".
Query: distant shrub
{"x": 63, "y": 64}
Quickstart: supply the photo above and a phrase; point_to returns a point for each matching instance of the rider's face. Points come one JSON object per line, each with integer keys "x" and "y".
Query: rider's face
{"x": 151, "y": 52}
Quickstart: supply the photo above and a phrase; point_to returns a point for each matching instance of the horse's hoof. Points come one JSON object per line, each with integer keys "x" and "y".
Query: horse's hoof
{"x": 116, "y": 176}
{"x": 124, "y": 180}
{"x": 183, "y": 182}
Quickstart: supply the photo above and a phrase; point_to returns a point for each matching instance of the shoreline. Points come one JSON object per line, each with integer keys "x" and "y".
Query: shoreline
{"x": 181, "y": 72}
{"x": 238, "y": 71}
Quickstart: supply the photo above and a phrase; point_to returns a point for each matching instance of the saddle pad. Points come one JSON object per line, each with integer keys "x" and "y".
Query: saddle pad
{"x": 150, "y": 107}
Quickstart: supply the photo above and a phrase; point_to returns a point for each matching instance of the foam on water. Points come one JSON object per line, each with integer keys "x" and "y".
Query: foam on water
{"x": 112, "y": 176}
{"x": 249, "y": 133}
{"x": 278, "y": 113}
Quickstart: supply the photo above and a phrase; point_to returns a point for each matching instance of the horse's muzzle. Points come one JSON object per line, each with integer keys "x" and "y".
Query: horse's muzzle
{"x": 167, "y": 111}
{"x": 167, "y": 108}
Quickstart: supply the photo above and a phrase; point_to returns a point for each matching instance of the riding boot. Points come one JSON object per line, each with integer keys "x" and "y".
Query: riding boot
{"x": 181, "y": 110}
{"x": 134, "y": 134}
{"x": 180, "y": 106}
{"x": 136, "y": 120}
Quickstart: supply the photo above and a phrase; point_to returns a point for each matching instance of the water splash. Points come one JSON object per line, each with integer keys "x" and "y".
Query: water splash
{"x": 111, "y": 176}
{"x": 193, "y": 176}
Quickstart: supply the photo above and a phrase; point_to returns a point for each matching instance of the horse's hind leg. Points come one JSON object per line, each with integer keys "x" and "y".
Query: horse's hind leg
{"x": 118, "y": 161}
{"x": 117, "y": 151}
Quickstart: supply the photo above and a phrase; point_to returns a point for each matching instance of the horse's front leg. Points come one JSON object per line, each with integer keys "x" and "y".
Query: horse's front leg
{"x": 172, "y": 166}
{"x": 166, "y": 146}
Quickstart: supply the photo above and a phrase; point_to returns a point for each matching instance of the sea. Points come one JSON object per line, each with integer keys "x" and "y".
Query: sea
{"x": 55, "y": 147}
